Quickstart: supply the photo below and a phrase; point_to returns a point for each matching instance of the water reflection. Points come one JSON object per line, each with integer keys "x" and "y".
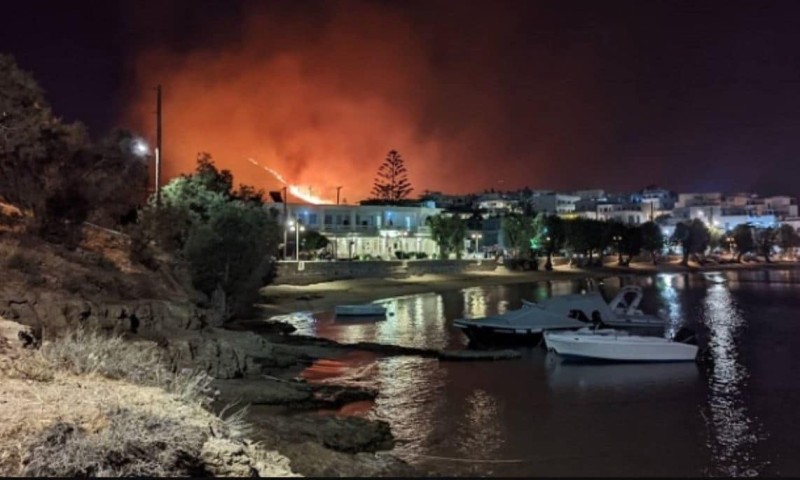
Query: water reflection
{"x": 475, "y": 300}
{"x": 564, "y": 376}
{"x": 479, "y": 434}
{"x": 732, "y": 431}
{"x": 535, "y": 408}
{"x": 411, "y": 401}
{"x": 669, "y": 295}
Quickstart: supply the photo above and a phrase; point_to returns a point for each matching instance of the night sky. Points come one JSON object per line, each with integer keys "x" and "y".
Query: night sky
{"x": 504, "y": 94}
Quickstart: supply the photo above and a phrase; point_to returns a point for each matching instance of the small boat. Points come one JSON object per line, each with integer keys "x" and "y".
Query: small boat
{"x": 563, "y": 312}
{"x": 526, "y": 323}
{"x": 616, "y": 345}
{"x": 624, "y": 309}
{"x": 365, "y": 310}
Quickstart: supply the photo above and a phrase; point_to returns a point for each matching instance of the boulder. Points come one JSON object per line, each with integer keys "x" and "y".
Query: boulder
{"x": 313, "y": 460}
{"x": 223, "y": 457}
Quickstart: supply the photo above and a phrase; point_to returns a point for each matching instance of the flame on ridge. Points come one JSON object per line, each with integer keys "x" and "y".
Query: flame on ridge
{"x": 303, "y": 193}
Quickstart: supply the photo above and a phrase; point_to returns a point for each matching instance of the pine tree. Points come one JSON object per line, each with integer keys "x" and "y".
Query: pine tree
{"x": 391, "y": 183}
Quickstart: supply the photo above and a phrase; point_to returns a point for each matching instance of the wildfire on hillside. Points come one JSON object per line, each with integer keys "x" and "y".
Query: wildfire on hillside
{"x": 302, "y": 192}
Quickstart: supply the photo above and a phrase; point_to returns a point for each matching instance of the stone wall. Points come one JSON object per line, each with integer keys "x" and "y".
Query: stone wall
{"x": 306, "y": 273}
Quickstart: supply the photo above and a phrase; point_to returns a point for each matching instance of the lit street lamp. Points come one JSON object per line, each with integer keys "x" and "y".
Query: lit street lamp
{"x": 293, "y": 226}
{"x": 477, "y": 237}
{"x": 549, "y": 263}
{"x": 618, "y": 240}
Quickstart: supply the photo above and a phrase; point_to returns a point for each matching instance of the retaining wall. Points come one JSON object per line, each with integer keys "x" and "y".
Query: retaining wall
{"x": 306, "y": 273}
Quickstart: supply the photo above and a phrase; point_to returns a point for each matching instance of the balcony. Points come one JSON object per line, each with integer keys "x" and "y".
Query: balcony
{"x": 372, "y": 229}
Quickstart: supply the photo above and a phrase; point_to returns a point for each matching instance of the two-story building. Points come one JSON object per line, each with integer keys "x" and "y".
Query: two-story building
{"x": 363, "y": 230}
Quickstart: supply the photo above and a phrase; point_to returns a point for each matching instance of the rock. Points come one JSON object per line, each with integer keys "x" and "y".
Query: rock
{"x": 15, "y": 335}
{"x": 297, "y": 395}
{"x": 56, "y": 312}
{"x": 313, "y": 460}
{"x": 221, "y": 353}
{"x": 263, "y": 392}
{"x": 343, "y": 434}
{"x": 228, "y": 458}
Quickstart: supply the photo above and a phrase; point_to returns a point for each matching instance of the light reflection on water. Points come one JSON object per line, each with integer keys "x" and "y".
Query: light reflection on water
{"x": 605, "y": 419}
{"x": 732, "y": 432}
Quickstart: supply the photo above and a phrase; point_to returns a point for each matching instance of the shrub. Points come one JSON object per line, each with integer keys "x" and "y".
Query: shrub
{"x": 421, "y": 255}
{"x": 227, "y": 238}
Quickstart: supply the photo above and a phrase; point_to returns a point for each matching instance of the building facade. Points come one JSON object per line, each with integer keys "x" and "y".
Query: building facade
{"x": 376, "y": 231}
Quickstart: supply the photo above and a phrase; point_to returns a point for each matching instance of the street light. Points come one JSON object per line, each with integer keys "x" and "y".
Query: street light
{"x": 618, "y": 240}
{"x": 477, "y": 237}
{"x": 548, "y": 265}
{"x": 293, "y": 226}
{"x": 140, "y": 148}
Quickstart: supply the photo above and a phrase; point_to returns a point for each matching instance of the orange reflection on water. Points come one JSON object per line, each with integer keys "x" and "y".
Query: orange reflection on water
{"x": 352, "y": 367}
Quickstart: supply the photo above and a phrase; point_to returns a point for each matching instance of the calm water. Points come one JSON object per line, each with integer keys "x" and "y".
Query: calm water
{"x": 737, "y": 416}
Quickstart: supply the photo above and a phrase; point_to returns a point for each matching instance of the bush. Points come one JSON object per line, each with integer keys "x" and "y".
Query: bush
{"x": 421, "y": 255}
{"x": 228, "y": 239}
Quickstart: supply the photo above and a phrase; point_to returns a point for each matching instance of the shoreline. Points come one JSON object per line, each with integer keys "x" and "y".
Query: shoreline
{"x": 282, "y": 299}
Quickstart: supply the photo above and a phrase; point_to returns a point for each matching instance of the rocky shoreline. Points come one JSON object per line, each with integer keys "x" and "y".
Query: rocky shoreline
{"x": 259, "y": 362}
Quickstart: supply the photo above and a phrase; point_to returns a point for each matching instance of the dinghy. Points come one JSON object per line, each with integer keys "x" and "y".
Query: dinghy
{"x": 365, "y": 310}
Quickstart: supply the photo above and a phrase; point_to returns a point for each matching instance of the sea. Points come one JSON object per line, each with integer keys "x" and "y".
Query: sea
{"x": 735, "y": 414}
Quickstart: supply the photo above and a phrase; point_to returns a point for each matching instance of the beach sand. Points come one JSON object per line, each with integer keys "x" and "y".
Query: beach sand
{"x": 283, "y": 299}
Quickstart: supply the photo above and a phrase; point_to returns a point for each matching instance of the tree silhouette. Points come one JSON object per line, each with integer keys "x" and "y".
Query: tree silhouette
{"x": 391, "y": 183}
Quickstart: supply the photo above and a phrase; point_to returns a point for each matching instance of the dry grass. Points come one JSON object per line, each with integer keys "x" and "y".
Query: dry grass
{"x": 92, "y": 353}
{"x": 97, "y": 405}
{"x": 134, "y": 443}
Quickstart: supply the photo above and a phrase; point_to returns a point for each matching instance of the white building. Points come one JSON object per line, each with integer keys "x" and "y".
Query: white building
{"x": 364, "y": 230}
{"x": 554, "y": 203}
{"x": 496, "y": 204}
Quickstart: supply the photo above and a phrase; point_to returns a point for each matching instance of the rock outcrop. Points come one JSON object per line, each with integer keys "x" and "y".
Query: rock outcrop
{"x": 56, "y": 312}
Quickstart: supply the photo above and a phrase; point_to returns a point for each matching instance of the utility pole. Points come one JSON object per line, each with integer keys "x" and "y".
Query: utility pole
{"x": 158, "y": 145}
{"x": 338, "y": 189}
{"x": 285, "y": 220}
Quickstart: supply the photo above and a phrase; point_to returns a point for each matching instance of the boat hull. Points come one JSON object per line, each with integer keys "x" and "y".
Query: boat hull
{"x": 619, "y": 349}
{"x": 498, "y": 335}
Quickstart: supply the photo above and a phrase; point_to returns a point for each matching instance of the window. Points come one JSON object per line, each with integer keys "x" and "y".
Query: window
{"x": 312, "y": 219}
{"x": 328, "y": 219}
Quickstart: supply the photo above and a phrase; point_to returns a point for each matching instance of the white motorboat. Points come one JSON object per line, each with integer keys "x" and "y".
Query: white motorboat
{"x": 616, "y": 345}
{"x": 364, "y": 310}
{"x": 560, "y": 313}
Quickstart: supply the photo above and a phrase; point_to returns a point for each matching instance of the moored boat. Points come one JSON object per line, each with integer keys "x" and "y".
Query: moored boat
{"x": 364, "y": 310}
{"x": 563, "y": 312}
{"x": 616, "y": 345}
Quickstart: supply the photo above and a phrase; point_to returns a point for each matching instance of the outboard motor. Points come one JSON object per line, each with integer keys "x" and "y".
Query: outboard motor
{"x": 686, "y": 335}
{"x": 597, "y": 320}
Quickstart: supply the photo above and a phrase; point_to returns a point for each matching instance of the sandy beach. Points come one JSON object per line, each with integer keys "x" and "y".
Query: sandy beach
{"x": 282, "y": 299}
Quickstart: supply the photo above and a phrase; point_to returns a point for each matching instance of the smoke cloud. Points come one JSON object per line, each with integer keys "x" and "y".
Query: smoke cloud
{"x": 321, "y": 95}
{"x": 320, "y": 101}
